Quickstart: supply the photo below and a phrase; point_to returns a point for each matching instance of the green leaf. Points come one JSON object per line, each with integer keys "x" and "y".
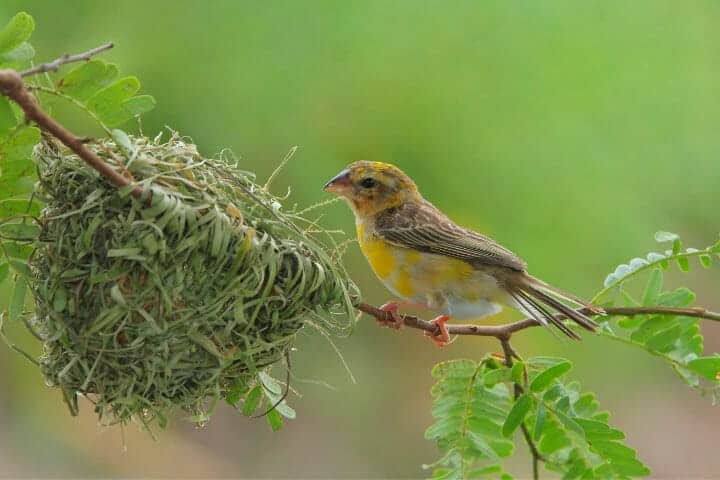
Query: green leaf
{"x": 554, "y": 438}
{"x": 653, "y": 287}
{"x": 540, "y": 417}
{"x": 252, "y": 400}
{"x": 275, "y": 420}
{"x": 139, "y": 104}
{"x": 455, "y": 369}
{"x": 17, "y": 301}
{"x": 496, "y": 376}
{"x": 19, "y": 231}
{"x": 7, "y": 116}
{"x": 60, "y": 299}
{"x": 680, "y": 297}
{"x": 715, "y": 247}
{"x": 123, "y": 140}
{"x": 17, "y": 31}
{"x": 705, "y": 261}
{"x": 270, "y": 383}
{"x": 518, "y": 372}
{"x": 285, "y": 410}
{"x": 4, "y": 270}
{"x": 13, "y": 249}
{"x": 544, "y": 362}
{"x": 706, "y": 367}
{"x": 579, "y": 443}
{"x": 21, "y": 53}
{"x": 15, "y": 187}
{"x": 16, "y": 154}
{"x": 677, "y": 246}
{"x": 485, "y": 471}
{"x": 546, "y": 377}
{"x": 596, "y": 430}
{"x": 109, "y": 97}
{"x": 469, "y": 416}
{"x": 664, "y": 340}
{"x": 274, "y": 391}
{"x": 683, "y": 263}
{"x": 115, "y": 103}
{"x": 19, "y": 206}
{"x": 664, "y": 237}
{"x": 613, "y": 450}
{"x": 86, "y": 80}
{"x": 517, "y": 414}
{"x": 569, "y": 423}
{"x": 20, "y": 267}
{"x": 629, "y": 299}
{"x": 236, "y": 392}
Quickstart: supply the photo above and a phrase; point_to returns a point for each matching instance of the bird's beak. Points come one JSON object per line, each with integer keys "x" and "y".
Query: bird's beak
{"x": 338, "y": 184}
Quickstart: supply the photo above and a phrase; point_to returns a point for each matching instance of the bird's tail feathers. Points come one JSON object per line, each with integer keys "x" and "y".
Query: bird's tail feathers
{"x": 538, "y": 284}
{"x": 537, "y": 298}
{"x": 541, "y": 314}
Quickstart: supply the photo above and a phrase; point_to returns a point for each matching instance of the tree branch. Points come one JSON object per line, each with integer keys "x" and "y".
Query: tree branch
{"x": 67, "y": 58}
{"x": 504, "y": 332}
{"x": 12, "y": 86}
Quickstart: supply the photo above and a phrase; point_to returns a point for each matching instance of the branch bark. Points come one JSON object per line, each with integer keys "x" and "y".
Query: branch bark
{"x": 13, "y": 87}
{"x": 504, "y": 332}
{"x": 67, "y": 58}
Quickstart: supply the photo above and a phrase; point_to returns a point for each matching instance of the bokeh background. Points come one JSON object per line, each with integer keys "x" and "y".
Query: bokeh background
{"x": 570, "y": 131}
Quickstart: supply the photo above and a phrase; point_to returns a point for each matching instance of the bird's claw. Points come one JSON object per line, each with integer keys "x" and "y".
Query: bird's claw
{"x": 396, "y": 320}
{"x": 442, "y": 337}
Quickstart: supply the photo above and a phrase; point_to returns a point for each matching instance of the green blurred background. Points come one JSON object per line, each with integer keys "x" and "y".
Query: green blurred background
{"x": 570, "y": 131}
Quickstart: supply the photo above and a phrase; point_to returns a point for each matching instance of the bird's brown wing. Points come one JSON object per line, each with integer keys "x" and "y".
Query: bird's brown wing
{"x": 423, "y": 227}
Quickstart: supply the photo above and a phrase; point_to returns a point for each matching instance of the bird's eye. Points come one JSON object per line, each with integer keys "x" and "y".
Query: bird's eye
{"x": 368, "y": 182}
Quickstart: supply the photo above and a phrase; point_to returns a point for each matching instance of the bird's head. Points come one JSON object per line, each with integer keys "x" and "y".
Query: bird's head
{"x": 371, "y": 187}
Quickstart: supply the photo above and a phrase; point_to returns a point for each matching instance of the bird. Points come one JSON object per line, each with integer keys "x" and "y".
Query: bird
{"x": 429, "y": 261}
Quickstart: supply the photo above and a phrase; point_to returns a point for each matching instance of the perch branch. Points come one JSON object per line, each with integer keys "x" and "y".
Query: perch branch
{"x": 67, "y": 58}
{"x": 504, "y": 332}
{"x": 12, "y": 86}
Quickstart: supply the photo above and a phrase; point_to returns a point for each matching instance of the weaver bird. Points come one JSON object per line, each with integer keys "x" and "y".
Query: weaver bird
{"x": 429, "y": 261}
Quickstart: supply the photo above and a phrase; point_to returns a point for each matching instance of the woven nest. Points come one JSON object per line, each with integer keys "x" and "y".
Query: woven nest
{"x": 175, "y": 298}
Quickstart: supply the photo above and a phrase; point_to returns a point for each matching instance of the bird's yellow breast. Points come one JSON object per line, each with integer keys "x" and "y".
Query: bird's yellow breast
{"x": 410, "y": 273}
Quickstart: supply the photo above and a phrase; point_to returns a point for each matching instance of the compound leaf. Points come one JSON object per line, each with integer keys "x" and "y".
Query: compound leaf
{"x": 16, "y": 32}
{"x": 86, "y": 80}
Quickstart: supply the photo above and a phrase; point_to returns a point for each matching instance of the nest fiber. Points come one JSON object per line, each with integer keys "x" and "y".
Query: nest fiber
{"x": 180, "y": 296}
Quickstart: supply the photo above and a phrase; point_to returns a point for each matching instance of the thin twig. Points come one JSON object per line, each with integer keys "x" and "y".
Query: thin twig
{"x": 74, "y": 102}
{"x": 509, "y": 353}
{"x": 699, "y": 312}
{"x": 536, "y": 457}
{"x": 12, "y": 86}
{"x": 505, "y": 331}
{"x": 67, "y": 58}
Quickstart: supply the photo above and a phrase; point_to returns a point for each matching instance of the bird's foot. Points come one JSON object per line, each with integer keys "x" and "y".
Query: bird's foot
{"x": 442, "y": 338}
{"x": 395, "y": 320}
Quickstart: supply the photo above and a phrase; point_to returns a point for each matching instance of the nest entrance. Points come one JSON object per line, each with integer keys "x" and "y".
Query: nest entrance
{"x": 145, "y": 305}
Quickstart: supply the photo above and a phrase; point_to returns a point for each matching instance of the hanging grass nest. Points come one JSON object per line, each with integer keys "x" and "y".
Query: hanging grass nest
{"x": 176, "y": 298}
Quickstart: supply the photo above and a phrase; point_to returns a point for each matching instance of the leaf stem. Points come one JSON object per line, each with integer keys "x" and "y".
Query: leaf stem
{"x": 466, "y": 416}
{"x": 78, "y": 104}
{"x": 647, "y": 266}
